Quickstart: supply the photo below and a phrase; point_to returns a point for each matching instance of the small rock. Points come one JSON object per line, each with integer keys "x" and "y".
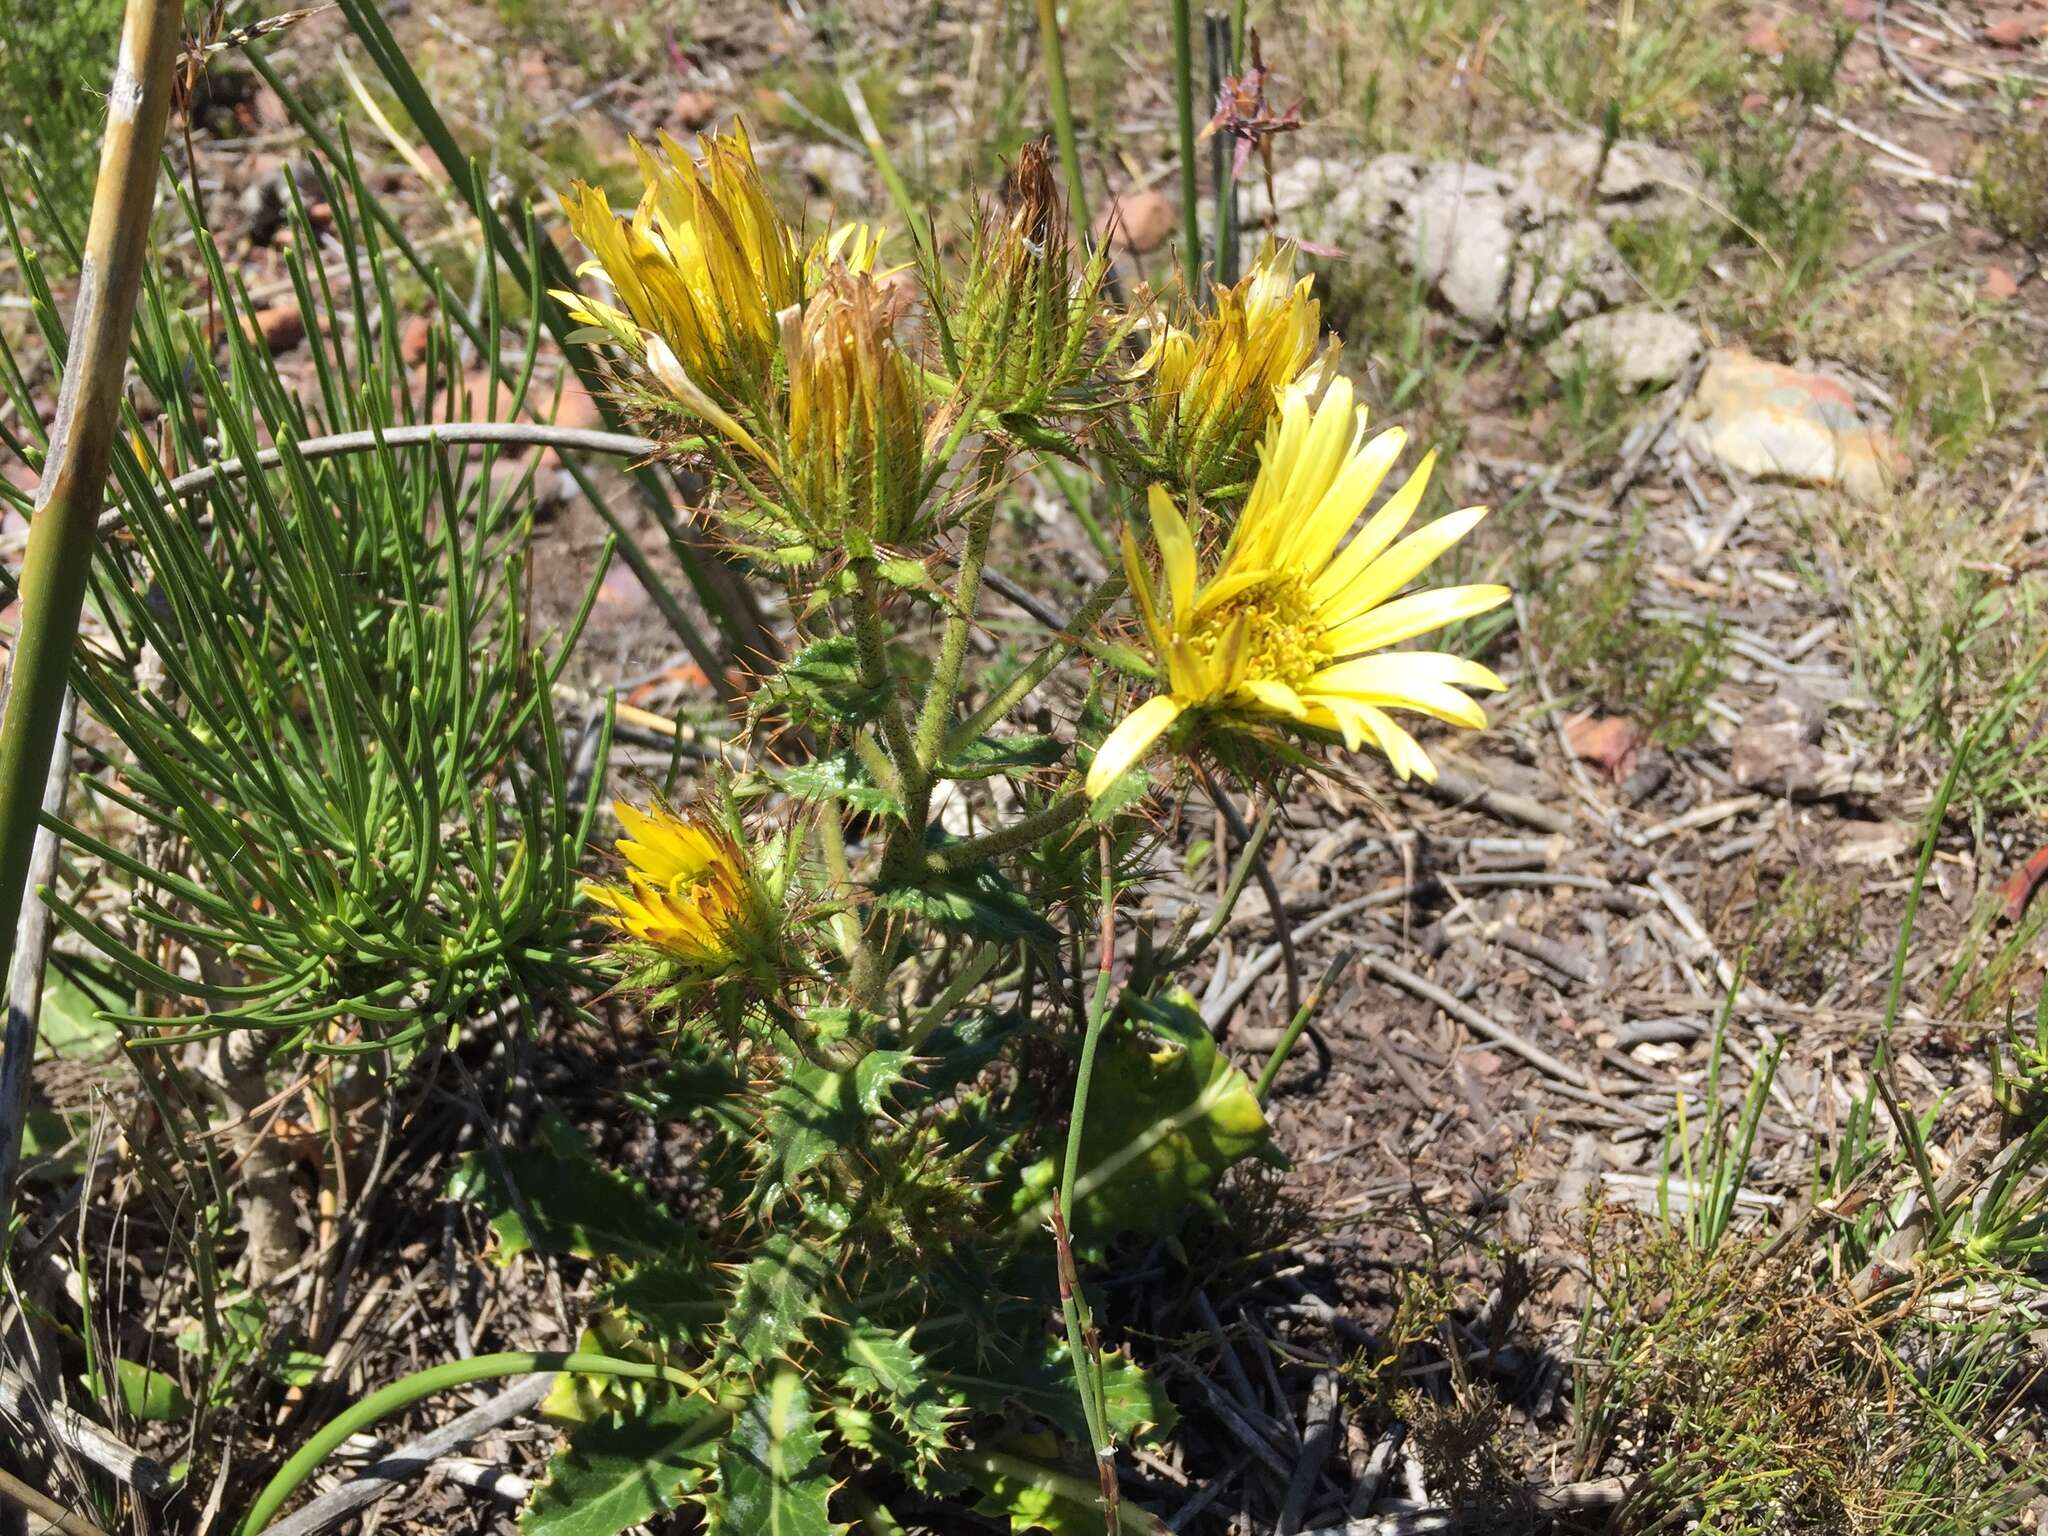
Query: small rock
{"x": 621, "y": 591}
{"x": 414, "y": 340}
{"x": 1867, "y": 843}
{"x": 1939, "y": 215}
{"x": 268, "y": 109}
{"x": 1778, "y": 750}
{"x": 1334, "y": 200}
{"x": 1639, "y": 180}
{"x": 835, "y": 172}
{"x": 1140, "y": 222}
{"x": 693, "y": 109}
{"x": 280, "y": 327}
{"x": 1763, "y": 37}
{"x": 1639, "y": 347}
{"x": 1755, "y": 101}
{"x": 2014, "y": 31}
{"x": 2000, "y": 284}
{"x": 1769, "y": 421}
{"x": 1506, "y": 255}
{"x": 1607, "y": 742}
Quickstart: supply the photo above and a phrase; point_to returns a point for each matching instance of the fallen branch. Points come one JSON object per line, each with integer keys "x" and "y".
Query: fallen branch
{"x": 79, "y": 1435}
{"x": 1476, "y": 1021}
{"x": 416, "y": 1459}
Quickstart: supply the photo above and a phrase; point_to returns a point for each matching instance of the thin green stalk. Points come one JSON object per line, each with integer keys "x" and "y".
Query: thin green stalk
{"x": 945, "y": 682}
{"x": 892, "y": 179}
{"x": 940, "y": 1008}
{"x": 408, "y": 1390}
{"x": 1018, "y": 688}
{"x": 62, "y": 533}
{"x": 1299, "y": 1023}
{"x": 1054, "y": 53}
{"x": 1184, "y": 103}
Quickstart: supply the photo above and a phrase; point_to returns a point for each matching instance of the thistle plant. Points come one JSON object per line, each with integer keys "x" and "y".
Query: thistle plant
{"x": 892, "y": 1288}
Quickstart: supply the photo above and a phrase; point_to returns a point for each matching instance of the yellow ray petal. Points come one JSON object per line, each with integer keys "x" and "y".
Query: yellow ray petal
{"x": 1366, "y": 546}
{"x": 1141, "y": 593}
{"x": 1276, "y": 696}
{"x": 1400, "y": 565}
{"x": 1130, "y": 741}
{"x": 1176, "y": 552}
{"x": 1315, "y": 539}
{"x": 1416, "y": 614}
{"x": 1395, "y": 670}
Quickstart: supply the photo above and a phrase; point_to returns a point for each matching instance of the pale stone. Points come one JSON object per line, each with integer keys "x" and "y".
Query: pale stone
{"x": 1773, "y": 422}
{"x": 1638, "y": 347}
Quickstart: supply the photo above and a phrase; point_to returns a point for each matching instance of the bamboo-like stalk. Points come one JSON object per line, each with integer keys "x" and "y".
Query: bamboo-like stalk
{"x": 68, "y": 500}
{"x": 1184, "y": 101}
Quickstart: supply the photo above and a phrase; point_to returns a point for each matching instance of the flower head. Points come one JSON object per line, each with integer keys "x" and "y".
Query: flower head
{"x": 689, "y": 894}
{"x": 1026, "y": 315}
{"x": 1282, "y": 629}
{"x": 1208, "y": 389}
{"x": 854, "y": 466}
{"x": 703, "y": 269}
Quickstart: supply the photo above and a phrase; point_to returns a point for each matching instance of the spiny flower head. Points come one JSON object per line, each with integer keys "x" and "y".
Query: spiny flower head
{"x": 702, "y": 268}
{"x": 1026, "y": 318}
{"x": 1208, "y": 389}
{"x": 690, "y": 902}
{"x": 854, "y": 463}
{"x": 1282, "y": 629}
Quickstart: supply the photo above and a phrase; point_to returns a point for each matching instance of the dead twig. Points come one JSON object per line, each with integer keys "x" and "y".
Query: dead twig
{"x": 417, "y": 1458}
{"x": 83, "y": 1438}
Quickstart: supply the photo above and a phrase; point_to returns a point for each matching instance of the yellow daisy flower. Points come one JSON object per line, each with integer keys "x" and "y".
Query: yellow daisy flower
{"x": 687, "y": 890}
{"x": 1283, "y": 626}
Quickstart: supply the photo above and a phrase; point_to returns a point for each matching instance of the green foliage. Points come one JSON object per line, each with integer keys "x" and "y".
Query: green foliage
{"x": 2009, "y": 190}
{"x": 56, "y": 59}
{"x": 626, "y": 1468}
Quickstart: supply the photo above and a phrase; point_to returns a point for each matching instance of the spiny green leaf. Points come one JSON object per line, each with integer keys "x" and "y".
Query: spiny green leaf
{"x": 694, "y": 1087}
{"x": 1021, "y": 1480}
{"x": 975, "y": 901}
{"x": 886, "y": 1368}
{"x": 774, "y": 1478}
{"x": 1038, "y": 1377}
{"x": 822, "y": 683}
{"x": 911, "y": 575}
{"x": 1167, "y": 1114}
{"x": 814, "y": 1112}
{"x": 623, "y": 1471}
{"x": 989, "y": 755}
{"x": 839, "y": 776}
{"x": 673, "y": 1298}
{"x": 575, "y": 1205}
{"x": 779, "y": 1293}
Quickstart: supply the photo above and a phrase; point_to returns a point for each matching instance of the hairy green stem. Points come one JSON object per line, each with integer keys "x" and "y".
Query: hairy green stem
{"x": 1184, "y": 103}
{"x": 945, "y": 683}
{"x": 1020, "y": 687}
{"x": 1055, "y": 56}
{"x": 73, "y": 485}
{"x": 410, "y": 1389}
{"x": 971, "y": 851}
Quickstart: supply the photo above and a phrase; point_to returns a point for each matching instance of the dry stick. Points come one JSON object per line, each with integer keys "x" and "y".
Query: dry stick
{"x": 45, "y": 1508}
{"x": 1317, "y": 1442}
{"x": 82, "y": 1437}
{"x": 61, "y": 535}
{"x": 390, "y": 1473}
{"x": 25, "y": 985}
{"x": 1281, "y": 927}
{"x": 1476, "y": 1021}
{"x": 1456, "y": 787}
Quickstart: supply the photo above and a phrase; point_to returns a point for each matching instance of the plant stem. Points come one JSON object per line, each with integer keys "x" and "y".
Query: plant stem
{"x": 1299, "y": 1023}
{"x": 408, "y": 1390}
{"x": 68, "y": 499}
{"x": 945, "y": 683}
{"x": 1012, "y": 693}
{"x": 971, "y": 851}
{"x": 1055, "y": 57}
{"x": 892, "y": 179}
{"x": 1184, "y": 102}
